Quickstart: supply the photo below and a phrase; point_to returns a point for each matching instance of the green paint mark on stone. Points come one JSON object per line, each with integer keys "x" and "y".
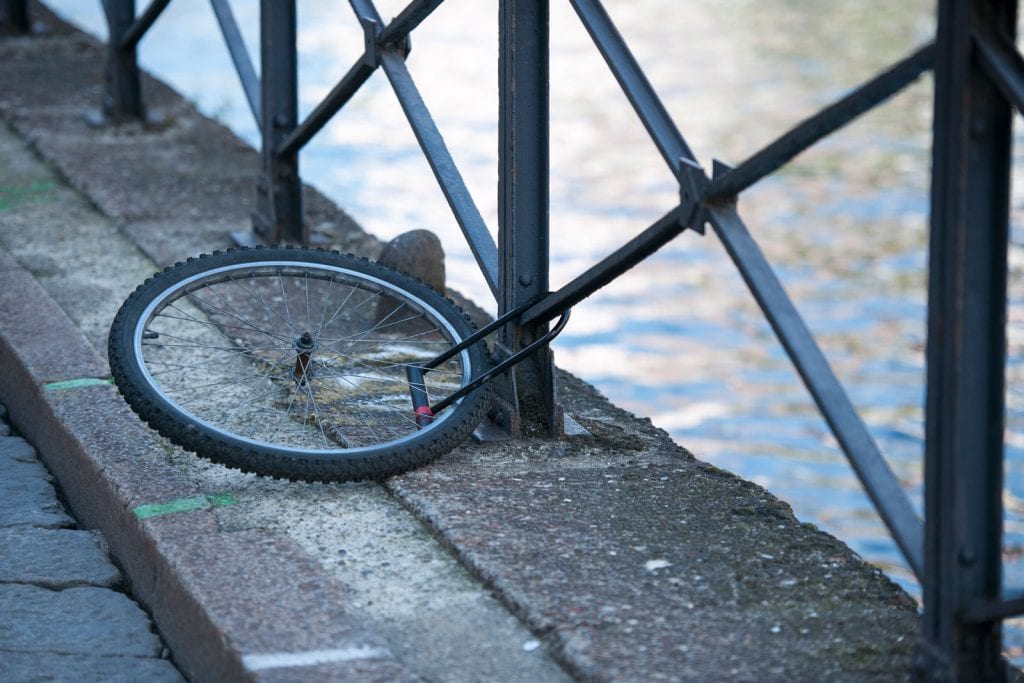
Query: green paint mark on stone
{"x": 203, "y": 502}
{"x": 35, "y": 192}
{"x": 221, "y": 499}
{"x": 78, "y": 383}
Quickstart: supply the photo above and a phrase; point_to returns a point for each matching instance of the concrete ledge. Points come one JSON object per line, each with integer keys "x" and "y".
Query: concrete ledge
{"x": 230, "y": 605}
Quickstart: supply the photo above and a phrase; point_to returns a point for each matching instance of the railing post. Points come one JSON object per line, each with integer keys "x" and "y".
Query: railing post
{"x": 523, "y": 200}
{"x": 278, "y": 215}
{"x": 124, "y": 91}
{"x": 966, "y": 350}
{"x": 16, "y": 18}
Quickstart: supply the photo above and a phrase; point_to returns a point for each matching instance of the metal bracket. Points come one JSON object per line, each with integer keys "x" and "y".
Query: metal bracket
{"x": 692, "y": 184}
{"x": 372, "y": 46}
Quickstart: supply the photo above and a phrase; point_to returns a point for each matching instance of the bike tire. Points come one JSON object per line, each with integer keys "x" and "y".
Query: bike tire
{"x": 290, "y": 362}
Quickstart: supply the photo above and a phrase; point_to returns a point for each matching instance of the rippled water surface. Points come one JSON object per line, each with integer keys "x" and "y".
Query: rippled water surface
{"x": 679, "y": 338}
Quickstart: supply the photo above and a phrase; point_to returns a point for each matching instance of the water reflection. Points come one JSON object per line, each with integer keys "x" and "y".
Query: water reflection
{"x": 679, "y": 338}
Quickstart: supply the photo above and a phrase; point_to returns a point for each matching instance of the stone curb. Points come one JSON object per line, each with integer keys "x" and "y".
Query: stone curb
{"x": 226, "y": 603}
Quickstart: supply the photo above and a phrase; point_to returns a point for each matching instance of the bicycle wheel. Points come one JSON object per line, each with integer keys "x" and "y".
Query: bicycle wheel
{"x": 292, "y": 363}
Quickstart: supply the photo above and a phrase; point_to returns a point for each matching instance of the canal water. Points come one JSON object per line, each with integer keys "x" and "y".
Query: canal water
{"x": 679, "y": 338}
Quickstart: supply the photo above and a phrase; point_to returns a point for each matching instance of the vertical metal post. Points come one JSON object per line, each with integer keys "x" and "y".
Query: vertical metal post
{"x": 966, "y": 350}
{"x": 523, "y": 200}
{"x": 123, "y": 100}
{"x": 16, "y": 19}
{"x": 278, "y": 215}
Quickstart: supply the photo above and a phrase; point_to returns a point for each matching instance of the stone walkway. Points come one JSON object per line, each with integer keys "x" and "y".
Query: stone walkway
{"x": 63, "y": 613}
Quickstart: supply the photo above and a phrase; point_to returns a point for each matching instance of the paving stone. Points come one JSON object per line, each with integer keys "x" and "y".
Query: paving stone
{"x": 29, "y": 497}
{"x": 34, "y": 619}
{"x": 61, "y": 668}
{"x": 17, "y": 449}
{"x": 55, "y": 558}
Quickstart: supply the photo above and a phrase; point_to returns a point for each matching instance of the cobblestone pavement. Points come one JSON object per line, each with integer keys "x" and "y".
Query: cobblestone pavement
{"x": 63, "y": 613}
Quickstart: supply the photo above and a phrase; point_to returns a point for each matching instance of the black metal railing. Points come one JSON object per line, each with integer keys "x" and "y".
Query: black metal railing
{"x": 979, "y": 77}
{"x": 15, "y": 16}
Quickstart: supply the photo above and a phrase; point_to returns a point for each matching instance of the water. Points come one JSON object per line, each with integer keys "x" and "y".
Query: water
{"x": 679, "y": 338}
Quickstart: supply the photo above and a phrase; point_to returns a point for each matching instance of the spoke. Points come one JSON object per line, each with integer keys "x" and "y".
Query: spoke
{"x": 194, "y": 345}
{"x": 400, "y": 380}
{"x": 236, "y": 351}
{"x": 232, "y": 349}
{"x": 341, "y": 306}
{"x": 367, "y": 364}
{"x": 327, "y": 299}
{"x": 175, "y": 368}
{"x": 189, "y": 343}
{"x": 305, "y": 282}
{"x": 240, "y": 317}
{"x": 367, "y": 398}
{"x": 370, "y": 426}
{"x": 253, "y": 397}
{"x": 287, "y": 410}
{"x": 258, "y": 296}
{"x": 234, "y": 382}
{"x": 404, "y": 384}
{"x": 360, "y": 337}
{"x": 305, "y": 381}
{"x": 401, "y": 414}
{"x": 284, "y": 298}
{"x": 186, "y": 318}
{"x": 202, "y": 323}
{"x": 375, "y": 327}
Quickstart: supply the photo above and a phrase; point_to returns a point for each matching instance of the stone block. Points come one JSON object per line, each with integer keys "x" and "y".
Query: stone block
{"x": 55, "y": 558}
{"x": 62, "y": 668}
{"x": 34, "y": 619}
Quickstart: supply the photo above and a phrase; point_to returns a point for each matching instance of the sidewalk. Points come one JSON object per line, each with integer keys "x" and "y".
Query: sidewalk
{"x": 63, "y": 616}
{"x": 616, "y": 558}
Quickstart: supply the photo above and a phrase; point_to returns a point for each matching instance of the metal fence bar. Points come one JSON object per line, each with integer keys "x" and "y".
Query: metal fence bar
{"x": 441, "y": 163}
{"x": 366, "y": 12}
{"x": 331, "y": 105}
{"x": 523, "y": 198}
{"x": 239, "y": 56}
{"x": 966, "y": 351}
{"x": 982, "y": 611}
{"x": 16, "y": 16}
{"x": 278, "y": 213}
{"x": 123, "y": 99}
{"x": 822, "y": 124}
{"x": 133, "y": 35}
{"x": 878, "y": 479}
